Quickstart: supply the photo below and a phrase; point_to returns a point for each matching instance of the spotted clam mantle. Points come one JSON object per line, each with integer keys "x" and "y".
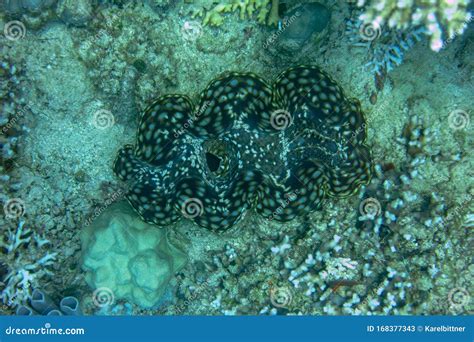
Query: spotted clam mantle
{"x": 277, "y": 149}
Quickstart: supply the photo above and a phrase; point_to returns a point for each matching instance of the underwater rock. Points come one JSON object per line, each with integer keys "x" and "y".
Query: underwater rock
{"x": 300, "y": 24}
{"x": 130, "y": 259}
{"x": 281, "y": 149}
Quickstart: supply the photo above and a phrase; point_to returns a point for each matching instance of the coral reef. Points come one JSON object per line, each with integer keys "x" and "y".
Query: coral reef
{"x": 385, "y": 48}
{"x": 449, "y": 16}
{"x": 266, "y": 11}
{"x": 283, "y": 148}
{"x": 409, "y": 221}
{"x": 125, "y": 258}
{"x": 22, "y": 272}
{"x": 375, "y": 256}
{"x": 127, "y": 63}
{"x": 35, "y": 14}
{"x": 401, "y": 245}
{"x": 12, "y": 117}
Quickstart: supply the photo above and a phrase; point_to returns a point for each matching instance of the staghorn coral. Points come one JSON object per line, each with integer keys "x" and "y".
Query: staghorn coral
{"x": 448, "y": 16}
{"x": 281, "y": 149}
{"x": 266, "y": 11}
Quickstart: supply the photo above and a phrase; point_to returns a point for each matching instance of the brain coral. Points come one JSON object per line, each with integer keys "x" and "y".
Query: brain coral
{"x": 278, "y": 149}
{"x": 132, "y": 259}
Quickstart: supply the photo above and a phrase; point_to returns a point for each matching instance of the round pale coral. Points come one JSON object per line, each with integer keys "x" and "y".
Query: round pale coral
{"x": 131, "y": 259}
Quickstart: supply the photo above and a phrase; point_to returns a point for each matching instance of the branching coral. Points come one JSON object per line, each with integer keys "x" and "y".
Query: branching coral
{"x": 23, "y": 272}
{"x": 266, "y": 11}
{"x": 449, "y": 16}
{"x": 386, "y": 48}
